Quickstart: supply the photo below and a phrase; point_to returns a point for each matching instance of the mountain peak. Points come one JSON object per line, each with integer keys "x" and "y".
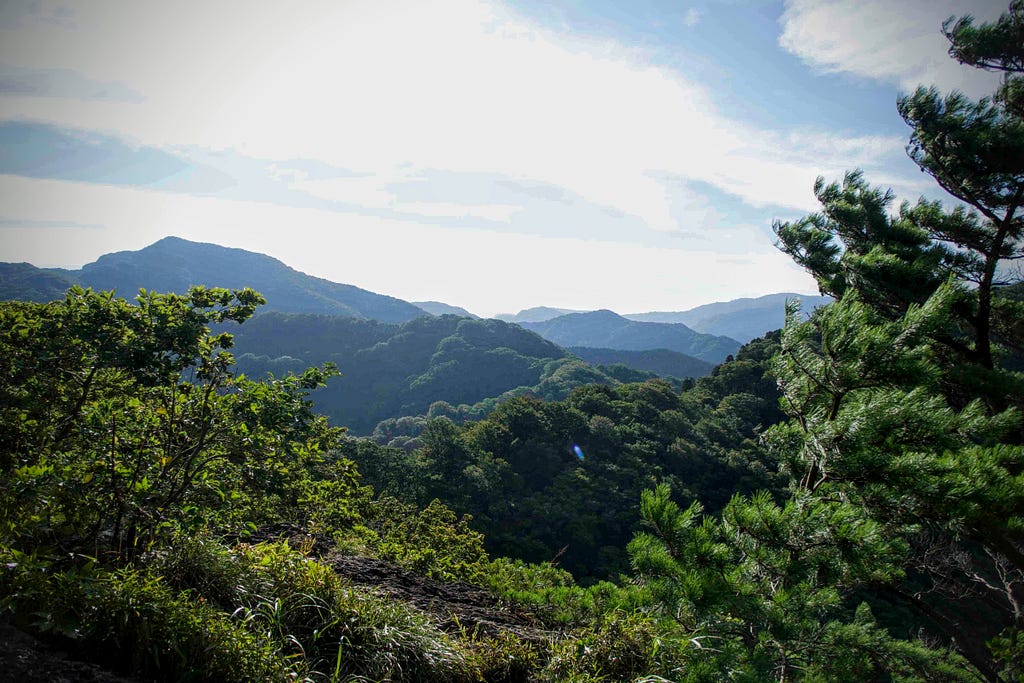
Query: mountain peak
{"x": 173, "y": 264}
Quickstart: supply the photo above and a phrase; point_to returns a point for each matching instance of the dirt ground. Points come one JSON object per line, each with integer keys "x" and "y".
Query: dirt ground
{"x": 450, "y": 604}
{"x": 25, "y": 659}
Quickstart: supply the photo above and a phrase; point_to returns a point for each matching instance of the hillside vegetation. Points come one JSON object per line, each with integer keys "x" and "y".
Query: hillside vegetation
{"x": 841, "y": 501}
{"x": 395, "y": 370}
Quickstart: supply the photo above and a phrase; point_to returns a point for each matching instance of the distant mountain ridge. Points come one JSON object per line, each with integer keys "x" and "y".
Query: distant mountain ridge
{"x": 173, "y": 265}
{"x": 441, "y": 308}
{"x": 609, "y": 330}
{"x": 741, "y": 319}
{"x": 537, "y": 314}
{"x": 661, "y": 362}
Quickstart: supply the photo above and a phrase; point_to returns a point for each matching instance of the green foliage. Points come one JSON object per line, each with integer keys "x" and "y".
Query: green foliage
{"x": 553, "y": 594}
{"x": 132, "y": 621}
{"x": 307, "y": 609}
{"x": 505, "y": 657}
{"x": 622, "y": 646}
{"x": 433, "y": 542}
{"x": 517, "y": 474}
{"x": 872, "y": 427}
{"x": 121, "y": 421}
{"x": 993, "y": 47}
{"x": 761, "y": 592}
{"x": 318, "y": 624}
{"x": 167, "y": 635}
{"x": 906, "y": 393}
{"x": 974, "y": 151}
{"x": 202, "y": 611}
{"x": 1008, "y": 649}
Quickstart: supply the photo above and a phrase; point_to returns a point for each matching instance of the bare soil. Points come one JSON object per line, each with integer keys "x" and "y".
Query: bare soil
{"x": 452, "y": 605}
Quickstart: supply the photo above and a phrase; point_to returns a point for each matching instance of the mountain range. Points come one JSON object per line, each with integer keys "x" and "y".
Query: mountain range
{"x": 606, "y": 329}
{"x": 708, "y": 333}
{"x": 537, "y": 314}
{"x": 174, "y": 264}
{"x": 397, "y": 357}
{"x": 740, "y": 319}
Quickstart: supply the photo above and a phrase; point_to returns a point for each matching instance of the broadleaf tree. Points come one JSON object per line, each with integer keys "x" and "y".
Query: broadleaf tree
{"x": 120, "y": 419}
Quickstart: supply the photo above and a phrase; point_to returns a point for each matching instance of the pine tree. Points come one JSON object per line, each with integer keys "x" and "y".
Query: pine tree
{"x": 904, "y": 394}
{"x": 975, "y": 151}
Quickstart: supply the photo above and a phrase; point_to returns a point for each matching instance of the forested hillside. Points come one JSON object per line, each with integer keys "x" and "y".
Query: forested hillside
{"x": 395, "y": 370}
{"x": 841, "y": 501}
{"x": 661, "y": 362}
{"x": 561, "y": 480}
{"x": 25, "y": 282}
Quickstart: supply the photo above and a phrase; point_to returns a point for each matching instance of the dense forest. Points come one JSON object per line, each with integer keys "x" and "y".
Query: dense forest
{"x": 842, "y": 500}
{"x": 397, "y": 370}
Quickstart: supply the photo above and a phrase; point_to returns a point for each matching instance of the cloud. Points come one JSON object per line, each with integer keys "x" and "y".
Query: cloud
{"x": 383, "y": 87}
{"x": 64, "y": 83}
{"x": 28, "y": 223}
{"x": 42, "y": 150}
{"x": 692, "y": 17}
{"x": 893, "y": 42}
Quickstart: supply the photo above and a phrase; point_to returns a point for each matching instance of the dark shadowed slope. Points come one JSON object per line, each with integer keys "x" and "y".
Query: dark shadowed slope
{"x": 25, "y": 282}
{"x": 661, "y": 362}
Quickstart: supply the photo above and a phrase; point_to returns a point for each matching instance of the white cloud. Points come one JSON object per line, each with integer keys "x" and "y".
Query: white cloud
{"x": 893, "y": 42}
{"x": 379, "y": 87}
{"x": 692, "y": 17}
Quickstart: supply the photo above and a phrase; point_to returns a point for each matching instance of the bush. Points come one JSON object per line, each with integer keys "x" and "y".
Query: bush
{"x": 433, "y": 542}
{"x": 621, "y": 647}
{"x": 323, "y": 627}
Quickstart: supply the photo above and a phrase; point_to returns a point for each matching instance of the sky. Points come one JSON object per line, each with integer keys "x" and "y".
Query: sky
{"x": 580, "y": 154}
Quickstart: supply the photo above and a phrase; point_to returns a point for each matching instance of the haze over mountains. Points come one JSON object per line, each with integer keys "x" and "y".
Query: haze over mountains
{"x": 395, "y": 364}
{"x": 741, "y": 319}
{"x": 537, "y": 314}
{"x": 173, "y": 264}
{"x": 606, "y": 329}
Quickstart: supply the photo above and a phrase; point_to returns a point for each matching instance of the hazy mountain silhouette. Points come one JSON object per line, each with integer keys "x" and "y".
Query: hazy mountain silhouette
{"x": 606, "y": 329}
{"x": 174, "y": 264}
{"x": 740, "y": 319}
